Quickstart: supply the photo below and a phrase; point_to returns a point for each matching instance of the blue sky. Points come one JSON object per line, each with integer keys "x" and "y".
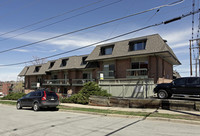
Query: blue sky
{"x": 15, "y": 14}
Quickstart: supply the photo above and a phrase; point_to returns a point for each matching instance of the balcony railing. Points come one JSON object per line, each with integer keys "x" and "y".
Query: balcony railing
{"x": 33, "y": 85}
{"x": 106, "y": 74}
{"x": 64, "y": 82}
{"x": 80, "y": 82}
{"x": 137, "y": 73}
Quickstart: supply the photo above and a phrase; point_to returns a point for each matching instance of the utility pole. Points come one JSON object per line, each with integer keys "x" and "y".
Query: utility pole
{"x": 199, "y": 57}
{"x": 190, "y": 58}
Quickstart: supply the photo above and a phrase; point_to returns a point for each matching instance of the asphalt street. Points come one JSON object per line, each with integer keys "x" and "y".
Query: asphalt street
{"x": 55, "y": 123}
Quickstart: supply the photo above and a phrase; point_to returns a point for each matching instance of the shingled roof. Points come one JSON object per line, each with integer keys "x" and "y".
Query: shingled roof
{"x": 155, "y": 45}
{"x": 32, "y": 70}
{"x": 23, "y": 72}
{"x": 74, "y": 62}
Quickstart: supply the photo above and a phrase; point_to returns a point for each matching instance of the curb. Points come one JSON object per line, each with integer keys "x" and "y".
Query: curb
{"x": 141, "y": 118}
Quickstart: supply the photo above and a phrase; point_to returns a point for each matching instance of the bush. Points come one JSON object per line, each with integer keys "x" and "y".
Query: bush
{"x": 13, "y": 96}
{"x": 90, "y": 88}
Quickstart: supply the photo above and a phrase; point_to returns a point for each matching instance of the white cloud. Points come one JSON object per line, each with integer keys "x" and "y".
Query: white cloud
{"x": 61, "y": 43}
{"x": 182, "y": 51}
{"x": 175, "y": 36}
{"x": 21, "y": 50}
{"x": 184, "y": 44}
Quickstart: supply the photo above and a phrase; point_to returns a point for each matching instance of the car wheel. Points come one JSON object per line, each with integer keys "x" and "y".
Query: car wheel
{"x": 18, "y": 106}
{"x": 162, "y": 94}
{"x": 36, "y": 107}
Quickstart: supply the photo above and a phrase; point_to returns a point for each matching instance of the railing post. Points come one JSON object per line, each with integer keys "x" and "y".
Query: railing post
{"x": 123, "y": 91}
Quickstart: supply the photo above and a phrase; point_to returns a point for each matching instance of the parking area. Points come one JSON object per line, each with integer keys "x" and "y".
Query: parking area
{"x": 29, "y": 123}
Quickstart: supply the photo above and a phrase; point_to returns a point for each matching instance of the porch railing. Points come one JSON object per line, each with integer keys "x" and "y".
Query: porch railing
{"x": 106, "y": 74}
{"x": 137, "y": 73}
{"x": 33, "y": 85}
{"x": 80, "y": 82}
{"x": 56, "y": 82}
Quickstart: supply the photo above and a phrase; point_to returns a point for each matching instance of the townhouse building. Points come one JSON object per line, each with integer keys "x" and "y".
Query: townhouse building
{"x": 147, "y": 58}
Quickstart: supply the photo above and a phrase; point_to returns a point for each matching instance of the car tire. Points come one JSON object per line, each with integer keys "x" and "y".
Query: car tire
{"x": 18, "y": 105}
{"x": 36, "y": 107}
{"x": 162, "y": 94}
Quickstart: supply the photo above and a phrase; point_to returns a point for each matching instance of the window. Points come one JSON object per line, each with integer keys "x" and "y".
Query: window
{"x": 180, "y": 81}
{"x": 63, "y": 63}
{"x": 38, "y": 94}
{"x": 193, "y": 81}
{"x": 39, "y": 79}
{"x": 54, "y": 77}
{"x": 28, "y": 95}
{"x": 51, "y": 64}
{"x": 33, "y": 94}
{"x": 83, "y": 60}
{"x": 109, "y": 70}
{"x": 134, "y": 46}
{"x": 139, "y": 68}
{"x": 139, "y": 65}
{"x": 37, "y": 69}
{"x": 107, "y": 50}
{"x": 87, "y": 75}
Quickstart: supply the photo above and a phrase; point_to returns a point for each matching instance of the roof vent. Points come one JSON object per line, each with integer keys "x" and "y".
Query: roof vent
{"x": 164, "y": 40}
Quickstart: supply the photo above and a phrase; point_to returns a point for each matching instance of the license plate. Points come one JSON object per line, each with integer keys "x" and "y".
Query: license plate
{"x": 52, "y": 99}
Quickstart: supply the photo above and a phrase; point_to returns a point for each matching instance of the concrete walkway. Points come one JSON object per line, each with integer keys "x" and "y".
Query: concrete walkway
{"x": 195, "y": 113}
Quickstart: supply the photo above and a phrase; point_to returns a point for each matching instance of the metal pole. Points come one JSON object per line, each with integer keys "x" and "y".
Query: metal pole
{"x": 190, "y": 60}
{"x": 199, "y": 58}
{"x": 196, "y": 67}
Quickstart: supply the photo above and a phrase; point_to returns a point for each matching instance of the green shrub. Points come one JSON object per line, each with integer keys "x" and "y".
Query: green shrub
{"x": 90, "y": 88}
{"x": 13, "y": 96}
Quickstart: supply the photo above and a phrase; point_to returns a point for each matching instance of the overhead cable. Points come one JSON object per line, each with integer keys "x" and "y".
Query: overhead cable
{"x": 124, "y": 34}
{"x": 100, "y": 24}
{"x": 61, "y": 20}
{"x": 50, "y": 18}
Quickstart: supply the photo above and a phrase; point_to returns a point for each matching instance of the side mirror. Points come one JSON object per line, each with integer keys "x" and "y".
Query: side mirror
{"x": 173, "y": 83}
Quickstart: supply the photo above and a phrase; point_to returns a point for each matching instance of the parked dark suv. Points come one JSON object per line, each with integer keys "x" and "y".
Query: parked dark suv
{"x": 39, "y": 99}
{"x": 186, "y": 86}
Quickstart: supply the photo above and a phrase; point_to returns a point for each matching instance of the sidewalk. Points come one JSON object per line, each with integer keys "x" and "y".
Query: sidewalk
{"x": 148, "y": 110}
{"x": 195, "y": 113}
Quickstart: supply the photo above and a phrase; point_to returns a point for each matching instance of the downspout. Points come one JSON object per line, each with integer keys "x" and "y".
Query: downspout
{"x": 157, "y": 69}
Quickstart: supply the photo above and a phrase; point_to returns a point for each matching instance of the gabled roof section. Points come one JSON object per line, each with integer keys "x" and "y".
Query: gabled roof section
{"x": 74, "y": 62}
{"x": 23, "y": 72}
{"x": 154, "y": 45}
{"x": 37, "y": 70}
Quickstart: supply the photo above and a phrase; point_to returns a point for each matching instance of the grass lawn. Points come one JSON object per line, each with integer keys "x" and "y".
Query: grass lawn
{"x": 115, "y": 112}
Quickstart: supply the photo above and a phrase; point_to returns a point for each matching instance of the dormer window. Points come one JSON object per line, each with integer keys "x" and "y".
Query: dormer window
{"x": 51, "y": 64}
{"x": 107, "y": 50}
{"x": 137, "y": 45}
{"x": 63, "y": 63}
{"x": 37, "y": 69}
{"x": 83, "y": 60}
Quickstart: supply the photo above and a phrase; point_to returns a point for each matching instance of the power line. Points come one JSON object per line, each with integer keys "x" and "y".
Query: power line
{"x": 130, "y": 32}
{"x": 47, "y": 19}
{"x": 61, "y": 20}
{"x": 100, "y": 24}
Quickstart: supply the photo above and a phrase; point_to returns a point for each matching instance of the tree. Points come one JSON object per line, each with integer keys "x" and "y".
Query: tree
{"x": 38, "y": 60}
{"x": 18, "y": 87}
